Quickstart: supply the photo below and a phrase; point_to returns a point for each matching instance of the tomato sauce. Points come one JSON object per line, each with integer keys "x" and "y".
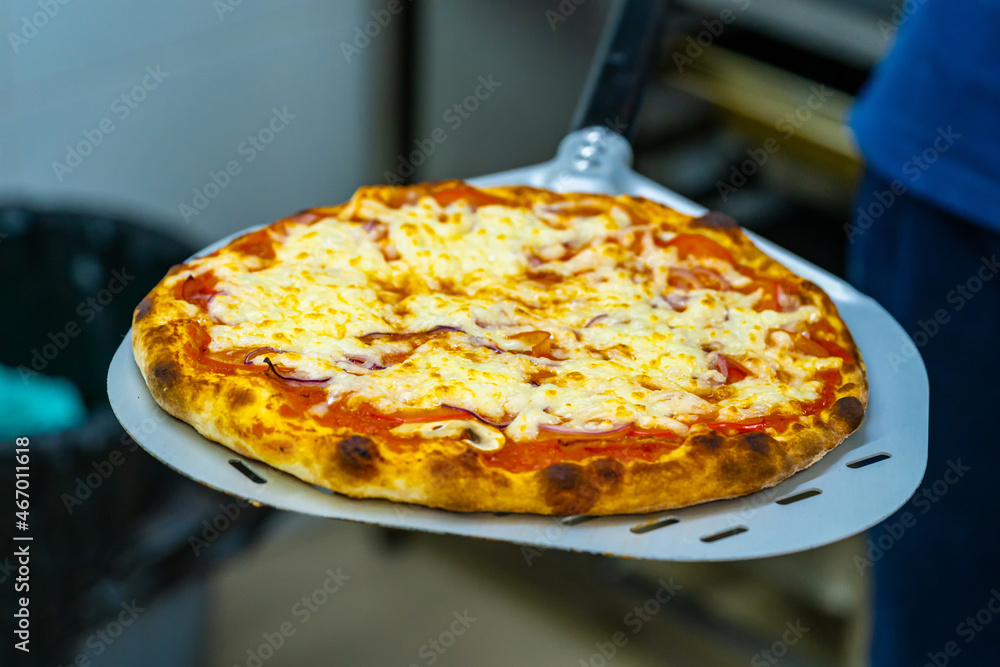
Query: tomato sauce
{"x": 698, "y": 246}
{"x": 257, "y": 244}
{"x": 537, "y": 454}
{"x": 474, "y": 198}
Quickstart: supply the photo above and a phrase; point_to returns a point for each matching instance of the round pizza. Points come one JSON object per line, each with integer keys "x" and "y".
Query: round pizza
{"x": 505, "y": 349}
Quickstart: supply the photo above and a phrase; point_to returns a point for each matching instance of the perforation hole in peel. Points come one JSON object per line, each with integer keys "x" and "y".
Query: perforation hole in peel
{"x": 869, "y": 460}
{"x": 796, "y": 497}
{"x": 653, "y": 525}
{"x": 723, "y": 534}
{"x": 247, "y": 472}
{"x": 574, "y": 520}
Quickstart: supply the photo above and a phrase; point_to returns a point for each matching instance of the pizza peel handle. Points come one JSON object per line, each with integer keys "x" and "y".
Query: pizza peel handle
{"x": 626, "y": 56}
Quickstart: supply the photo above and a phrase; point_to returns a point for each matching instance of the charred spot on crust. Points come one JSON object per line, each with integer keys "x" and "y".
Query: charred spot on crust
{"x": 456, "y": 468}
{"x": 563, "y": 476}
{"x": 166, "y": 373}
{"x": 846, "y": 388}
{"x": 142, "y": 309}
{"x": 567, "y": 490}
{"x": 711, "y": 440}
{"x": 849, "y": 410}
{"x": 607, "y": 473}
{"x": 357, "y": 455}
{"x": 240, "y": 397}
{"x": 757, "y": 442}
{"x": 716, "y": 220}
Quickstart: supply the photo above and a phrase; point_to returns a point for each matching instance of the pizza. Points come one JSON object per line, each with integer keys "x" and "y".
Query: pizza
{"x": 505, "y": 349}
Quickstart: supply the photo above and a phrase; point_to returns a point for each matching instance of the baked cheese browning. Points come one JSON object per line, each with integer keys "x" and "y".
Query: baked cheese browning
{"x": 557, "y": 319}
{"x": 508, "y": 349}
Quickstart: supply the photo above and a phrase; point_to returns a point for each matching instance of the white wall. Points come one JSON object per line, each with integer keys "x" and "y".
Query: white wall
{"x": 226, "y": 73}
{"x": 541, "y": 60}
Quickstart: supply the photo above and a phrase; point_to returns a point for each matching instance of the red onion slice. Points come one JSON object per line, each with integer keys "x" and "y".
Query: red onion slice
{"x": 676, "y": 301}
{"x": 291, "y": 378}
{"x": 260, "y": 350}
{"x": 720, "y": 364}
{"x": 488, "y": 422}
{"x": 712, "y": 275}
{"x": 404, "y": 336}
{"x": 369, "y": 364}
{"x": 304, "y": 217}
{"x": 486, "y": 343}
{"x": 688, "y": 276}
{"x": 594, "y": 320}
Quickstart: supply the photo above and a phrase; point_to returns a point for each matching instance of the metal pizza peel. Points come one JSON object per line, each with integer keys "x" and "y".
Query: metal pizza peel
{"x": 859, "y": 483}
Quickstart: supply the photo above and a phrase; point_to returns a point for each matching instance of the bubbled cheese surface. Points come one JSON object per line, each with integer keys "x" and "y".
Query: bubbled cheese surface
{"x": 617, "y": 354}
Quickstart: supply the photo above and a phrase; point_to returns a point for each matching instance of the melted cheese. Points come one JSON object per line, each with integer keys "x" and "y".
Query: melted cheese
{"x": 617, "y": 354}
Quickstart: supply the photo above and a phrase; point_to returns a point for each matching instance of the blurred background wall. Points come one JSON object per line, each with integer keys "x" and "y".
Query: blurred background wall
{"x": 79, "y": 82}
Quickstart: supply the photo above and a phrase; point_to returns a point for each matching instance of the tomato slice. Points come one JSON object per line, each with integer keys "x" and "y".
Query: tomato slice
{"x": 830, "y": 380}
{"x": 474, "y": 198}
{"x": 821, "y": 333}
{"x": 769, "y": 300}
{"x": 198, "y": 289}
{"x": 735, "y": 371}
{"x": 258, "y": 244}
{"x": 699, "y": 246}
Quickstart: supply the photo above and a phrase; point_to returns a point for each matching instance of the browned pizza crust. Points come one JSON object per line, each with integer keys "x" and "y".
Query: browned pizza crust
{"x": 252, "y": 414}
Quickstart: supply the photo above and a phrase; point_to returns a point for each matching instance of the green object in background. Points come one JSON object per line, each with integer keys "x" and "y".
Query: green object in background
{"x": 37, "y": 403}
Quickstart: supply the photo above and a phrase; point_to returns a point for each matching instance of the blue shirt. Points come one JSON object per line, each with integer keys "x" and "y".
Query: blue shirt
{"x": 930, "y": 115}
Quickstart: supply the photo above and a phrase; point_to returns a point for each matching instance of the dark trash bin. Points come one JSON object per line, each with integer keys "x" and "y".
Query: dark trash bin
{"x": 108, "y": 523}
